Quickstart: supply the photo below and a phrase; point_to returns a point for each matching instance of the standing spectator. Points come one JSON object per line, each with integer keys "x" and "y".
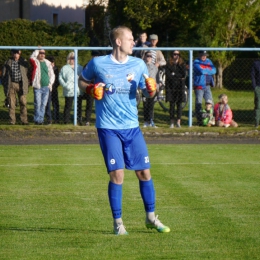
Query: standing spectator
{"x": 223, "y": 113}
{"x": 203, "y": 81}
{"x": 149, "y": 102}
{"x": 42, "y": 81}
{"x": 158, "y": 58}
{"x": 175, "y": 71}
{"x": 117, "y": 77}
{"x": 15, "y": 82}
{"x": 141, "y": 42}
{"x": 255, "y": 75}
{"x": 66, "y": 79}
{"x": 88, "y": 98}
{"x": 53, "y": 96}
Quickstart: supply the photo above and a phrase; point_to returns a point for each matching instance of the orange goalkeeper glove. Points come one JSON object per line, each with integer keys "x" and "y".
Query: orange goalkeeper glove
{"x": 150, "y": 85}
{"x": 96, "y": 90}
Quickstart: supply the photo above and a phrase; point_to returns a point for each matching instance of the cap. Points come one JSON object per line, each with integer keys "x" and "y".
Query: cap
{"x": 95, "y": 53}
{"x": 15, "y": 51}
{"x": 203, "y": 53}
{"x": 209, "y": 101}
{"x": 153, "y": 37}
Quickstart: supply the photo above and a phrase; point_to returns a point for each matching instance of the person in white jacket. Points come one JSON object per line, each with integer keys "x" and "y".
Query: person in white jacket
{"x": 66, "y": 79}
{"x": 42, "y": 80}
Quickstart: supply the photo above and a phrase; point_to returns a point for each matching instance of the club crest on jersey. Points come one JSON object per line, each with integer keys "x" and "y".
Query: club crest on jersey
{"x": 110, "y": 88}
{"x": 130, "y": 77}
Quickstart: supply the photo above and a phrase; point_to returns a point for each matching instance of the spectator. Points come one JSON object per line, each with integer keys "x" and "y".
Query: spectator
{"x": 255, "y": 75}
{"x": 141, "y": 42}
{"x": 53, "y": 96}
{"x": 117, "y": 77}
{"x": 207, "y": 114}
{"x": 175, "y": 71}
{"x": 88, "y": 98}
{"x": 203, "y": 81}
{"x": 42, "y": 80}
{"x": 15, "y": 82}
{"x": 158, "y": 58}
{"x": 223, "y": 113}
{"x": 66, "y": 79}
{"x": 149, "y": 102}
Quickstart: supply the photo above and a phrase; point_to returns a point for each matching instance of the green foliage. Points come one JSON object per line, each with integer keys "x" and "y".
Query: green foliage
{"x": 22, "y": 32}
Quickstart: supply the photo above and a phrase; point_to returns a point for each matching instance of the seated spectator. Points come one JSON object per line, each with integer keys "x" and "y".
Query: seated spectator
{"x": 223, "y": 113}
{"x": 207, "y": 114}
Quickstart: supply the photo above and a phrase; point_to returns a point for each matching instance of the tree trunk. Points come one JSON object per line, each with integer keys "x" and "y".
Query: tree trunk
{"x": 219, "y": 76}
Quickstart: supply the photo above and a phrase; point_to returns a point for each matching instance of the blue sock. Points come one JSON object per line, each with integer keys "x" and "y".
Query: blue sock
{"x": 148, "y": 195}
{"x": 115, "y": 199}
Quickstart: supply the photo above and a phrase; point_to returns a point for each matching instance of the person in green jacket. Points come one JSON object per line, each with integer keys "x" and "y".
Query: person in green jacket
{"x": 207, "y": 116}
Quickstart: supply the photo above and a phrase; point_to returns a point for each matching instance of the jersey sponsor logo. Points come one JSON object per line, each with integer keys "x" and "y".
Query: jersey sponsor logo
{"x": 130, "y": 77}
{"x": 110, "y": 88}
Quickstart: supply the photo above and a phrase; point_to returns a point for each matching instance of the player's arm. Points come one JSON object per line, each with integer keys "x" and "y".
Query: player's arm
{"x": 150, "y": 89}
{"x": 94, "y": 90}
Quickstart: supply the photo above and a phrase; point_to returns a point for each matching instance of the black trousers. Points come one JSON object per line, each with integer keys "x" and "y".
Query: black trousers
{"x": 89, "y": 105}
{"x": 67, "y": 109}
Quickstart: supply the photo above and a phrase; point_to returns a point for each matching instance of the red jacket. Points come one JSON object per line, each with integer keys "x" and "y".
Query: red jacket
{"x": 225, "y": 115}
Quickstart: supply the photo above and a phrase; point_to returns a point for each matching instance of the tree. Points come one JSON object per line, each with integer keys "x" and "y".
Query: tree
{"x": 227, "y": 24}
{"x": 22, "y": 32}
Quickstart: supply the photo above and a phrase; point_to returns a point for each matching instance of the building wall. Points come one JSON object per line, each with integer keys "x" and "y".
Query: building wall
{"x": 64, "y": 10}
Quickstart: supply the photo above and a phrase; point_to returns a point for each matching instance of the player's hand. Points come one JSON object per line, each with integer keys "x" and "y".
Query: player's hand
{"x": 150, "y": 85}
{"x": 96, "y": 90}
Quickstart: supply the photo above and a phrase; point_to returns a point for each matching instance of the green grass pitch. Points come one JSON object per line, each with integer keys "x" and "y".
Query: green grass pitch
{"x": 54, "y": 205}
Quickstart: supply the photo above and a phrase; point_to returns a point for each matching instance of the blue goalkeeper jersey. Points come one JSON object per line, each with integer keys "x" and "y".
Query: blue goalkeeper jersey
{"x": 117, "y": 109}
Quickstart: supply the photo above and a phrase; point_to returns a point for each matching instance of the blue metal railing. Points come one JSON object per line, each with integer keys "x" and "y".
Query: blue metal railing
{"x": 76, "y": 49}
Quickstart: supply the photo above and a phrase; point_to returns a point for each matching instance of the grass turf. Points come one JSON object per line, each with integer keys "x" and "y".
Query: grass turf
{"x": 54, "y": 204}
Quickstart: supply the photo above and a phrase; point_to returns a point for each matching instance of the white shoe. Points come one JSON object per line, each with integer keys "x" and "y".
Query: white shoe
{"x": 152, "y": 124}
{"x": 119, "y": 229}
{"x": 178, "y": 125}
{"x": 158, "y": 225}
{"x": 171, "y": 125}
{"x": 146, "y": 124}
{"x": 226, "y": 125}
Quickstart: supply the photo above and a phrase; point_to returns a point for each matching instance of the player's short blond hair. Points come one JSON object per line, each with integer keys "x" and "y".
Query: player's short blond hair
{"x": 116, "y": 33}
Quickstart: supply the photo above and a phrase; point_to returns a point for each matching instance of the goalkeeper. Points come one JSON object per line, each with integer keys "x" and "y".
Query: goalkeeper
{"x": 116, "y": 79}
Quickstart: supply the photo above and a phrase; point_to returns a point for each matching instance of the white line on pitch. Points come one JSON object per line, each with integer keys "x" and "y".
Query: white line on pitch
{"x": 97, "y": 164}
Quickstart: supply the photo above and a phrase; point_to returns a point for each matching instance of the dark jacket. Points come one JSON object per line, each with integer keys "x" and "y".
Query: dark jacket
{"x": 6, "y": 75}
{"x": 175, "y": 80}
{"x": 255, "y": 74}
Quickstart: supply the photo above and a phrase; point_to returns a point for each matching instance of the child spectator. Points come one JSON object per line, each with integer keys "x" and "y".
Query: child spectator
{"x": 207, "y": 114}
{"x": 223, "y": 113}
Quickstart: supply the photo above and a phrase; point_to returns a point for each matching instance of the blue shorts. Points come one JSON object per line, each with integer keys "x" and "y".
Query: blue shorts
{"x": 123, "y": 149}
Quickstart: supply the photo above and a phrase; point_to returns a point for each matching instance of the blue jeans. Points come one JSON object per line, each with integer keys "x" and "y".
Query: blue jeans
{"x": 40, "y": 100}
{"x": 200, "y": 94}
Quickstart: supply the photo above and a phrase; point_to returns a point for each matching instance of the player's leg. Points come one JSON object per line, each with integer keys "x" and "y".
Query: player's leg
{"x": 111, "y": 148}
{"x": 136, "y": 157}
{"x": 148, "y": 195}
